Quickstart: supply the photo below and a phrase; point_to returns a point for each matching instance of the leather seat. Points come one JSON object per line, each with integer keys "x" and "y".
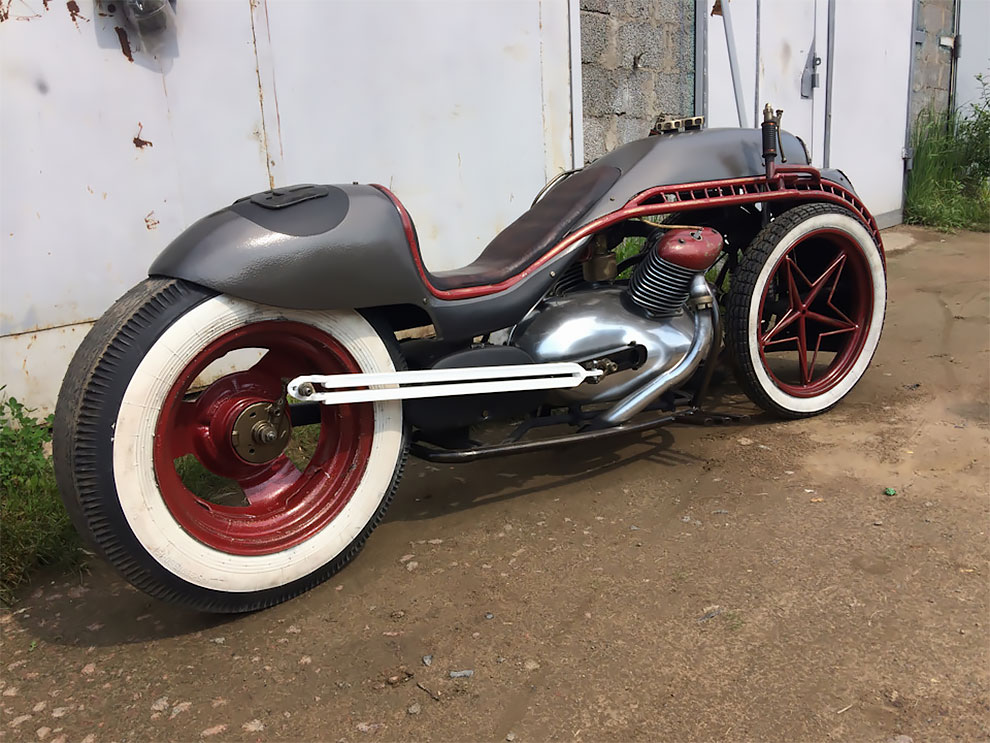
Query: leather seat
{"x": 524, "y": 241}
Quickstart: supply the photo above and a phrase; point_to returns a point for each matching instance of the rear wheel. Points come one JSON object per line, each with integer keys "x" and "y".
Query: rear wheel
{"x": 806, "y": 308}
{"x": 177, "y": 457}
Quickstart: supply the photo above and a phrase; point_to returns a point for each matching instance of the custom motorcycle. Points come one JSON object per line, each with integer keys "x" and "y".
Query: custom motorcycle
{"x": 234, "y": 427}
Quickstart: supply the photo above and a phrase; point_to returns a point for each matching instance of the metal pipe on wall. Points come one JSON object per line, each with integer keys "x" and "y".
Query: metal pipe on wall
{"x": 730, "y": 42}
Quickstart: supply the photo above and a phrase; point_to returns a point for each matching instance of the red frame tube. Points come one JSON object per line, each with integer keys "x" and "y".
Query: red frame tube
{"x": 791, "y": 183}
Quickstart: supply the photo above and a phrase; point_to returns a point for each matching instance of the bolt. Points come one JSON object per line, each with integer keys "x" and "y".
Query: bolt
{"x": 306, "y": 389}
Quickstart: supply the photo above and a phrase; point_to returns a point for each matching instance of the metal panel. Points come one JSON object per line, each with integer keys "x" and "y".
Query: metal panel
{"x": 856, "y": 120}
{"x": 577, "y": 104}
{"x": 974, "y": 51}
{"x": 873, "y": 46}
{"x": 789, "y": 40}
{"x": 461, "y": 109}
{"x": 464, "y": 109}
{"x": 700, "y": 58}
{"x": 721, "y": 100}
{"x": 84, "y": 206}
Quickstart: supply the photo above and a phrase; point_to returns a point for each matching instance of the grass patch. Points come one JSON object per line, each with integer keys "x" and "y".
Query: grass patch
{"x": 34, "y": 527}
{"x": 949, "y": 183}
{"x": 627, "y": 249}
{"x": 223, "y": 492}
{"x": 733, "y": 620}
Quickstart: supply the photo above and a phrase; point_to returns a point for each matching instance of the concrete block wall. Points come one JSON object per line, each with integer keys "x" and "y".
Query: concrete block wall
{"x": 637, "y": 61}
{"x": 932, "y": 63}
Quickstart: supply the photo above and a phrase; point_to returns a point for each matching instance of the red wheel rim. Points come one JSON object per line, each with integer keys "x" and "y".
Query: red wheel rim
{"x": 286, "y": 506}
{"x": 819, "y": 297}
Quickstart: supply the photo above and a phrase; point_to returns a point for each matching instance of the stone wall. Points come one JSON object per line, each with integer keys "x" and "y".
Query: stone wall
{"x": 637, "y": 61}
{"x": 932, "y": 63}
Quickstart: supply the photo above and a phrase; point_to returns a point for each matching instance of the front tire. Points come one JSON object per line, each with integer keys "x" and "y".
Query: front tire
{"x": 162, "y": 465}
{"x": 806, "y": 308}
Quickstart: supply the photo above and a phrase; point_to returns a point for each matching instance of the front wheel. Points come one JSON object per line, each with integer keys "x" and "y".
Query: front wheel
{"x": 806, "y": 308}
{"x": 176, "y": 455}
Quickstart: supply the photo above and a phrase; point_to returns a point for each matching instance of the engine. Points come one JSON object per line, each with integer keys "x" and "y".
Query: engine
{"x": 632, "y": 333}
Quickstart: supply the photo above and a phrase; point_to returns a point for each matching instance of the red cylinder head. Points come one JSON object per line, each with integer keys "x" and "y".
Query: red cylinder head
{"x": 694, "y": 249}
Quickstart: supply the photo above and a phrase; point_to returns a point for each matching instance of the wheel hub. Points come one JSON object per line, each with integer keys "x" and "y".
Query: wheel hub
{"x": 261, "y": 432}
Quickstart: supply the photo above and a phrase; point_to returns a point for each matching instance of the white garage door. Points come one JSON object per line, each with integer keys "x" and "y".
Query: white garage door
{"x": 851, "y": 110}
{"x": 107, "y": 152}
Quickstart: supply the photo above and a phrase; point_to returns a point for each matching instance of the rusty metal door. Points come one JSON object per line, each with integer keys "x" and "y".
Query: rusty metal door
{"x": 109, "y": 148}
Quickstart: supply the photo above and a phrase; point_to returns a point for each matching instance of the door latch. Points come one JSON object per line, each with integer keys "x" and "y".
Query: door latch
{"x": 809, "y": 77}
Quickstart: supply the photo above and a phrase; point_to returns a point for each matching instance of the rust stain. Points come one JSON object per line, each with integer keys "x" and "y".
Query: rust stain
{"x": 125, "y": 43}
{"x": 5, "y": 10}
{"x": 149, "y": 220}
{"x": 45, "y": 3}
{"x": 141, "y": 143}
{"x": 74, "y": 12}
{"x": 278, "y": 116}
{"x": 261, "y": 99}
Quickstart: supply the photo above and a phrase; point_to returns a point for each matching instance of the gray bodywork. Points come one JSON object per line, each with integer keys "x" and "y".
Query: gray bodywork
{"x": 687, "y": 157}
{"x": 348, "y": 249}
{"x": 363, "y": 260}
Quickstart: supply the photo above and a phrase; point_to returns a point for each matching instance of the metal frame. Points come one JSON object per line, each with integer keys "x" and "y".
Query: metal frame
{"x": 796, "y": 183}
{"x": 455, "y": 456}
{"x": 756, "y": 73}
{"x": 890, "y": 219}
{"x": 701, "y": 58}
{"x": 680, "y": 406}
{"x": 954, "y": 55}
{"x": 730, "y": 43}
{"x": 827, "y": 139}
{"x": 577, "y": 92}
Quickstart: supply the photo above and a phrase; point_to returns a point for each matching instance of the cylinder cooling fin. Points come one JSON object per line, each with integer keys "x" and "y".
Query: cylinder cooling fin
{"x": 661, "y": 282}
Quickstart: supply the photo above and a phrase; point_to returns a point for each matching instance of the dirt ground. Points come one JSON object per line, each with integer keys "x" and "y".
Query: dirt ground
{"x": 747, "y": 582}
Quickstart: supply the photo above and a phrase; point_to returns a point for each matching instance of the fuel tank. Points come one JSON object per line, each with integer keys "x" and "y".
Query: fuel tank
{"x": 591, "y": 324}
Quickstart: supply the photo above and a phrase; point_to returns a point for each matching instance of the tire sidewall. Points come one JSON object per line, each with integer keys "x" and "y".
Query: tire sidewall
{"x": 854, "y": 229}
{"x": 136, "y": 482}
{"x": 86, "y": 422}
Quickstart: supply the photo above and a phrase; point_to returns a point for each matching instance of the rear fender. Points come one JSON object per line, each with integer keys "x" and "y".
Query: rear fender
{"x": 305, "y": 247}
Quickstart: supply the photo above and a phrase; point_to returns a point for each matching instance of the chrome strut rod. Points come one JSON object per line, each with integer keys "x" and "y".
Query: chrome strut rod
{"x": 334, "y": 389}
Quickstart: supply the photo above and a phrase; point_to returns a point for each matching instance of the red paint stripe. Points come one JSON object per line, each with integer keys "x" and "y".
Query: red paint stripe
{"x": 796, "y": 183}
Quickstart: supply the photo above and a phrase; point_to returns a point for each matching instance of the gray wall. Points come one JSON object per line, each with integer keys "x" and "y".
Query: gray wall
{"x": 637, "y": 61}
{"x": 932, "y": 63}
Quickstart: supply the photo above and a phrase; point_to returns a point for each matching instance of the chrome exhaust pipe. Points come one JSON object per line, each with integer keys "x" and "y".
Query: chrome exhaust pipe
{"x": 705, "y": 321}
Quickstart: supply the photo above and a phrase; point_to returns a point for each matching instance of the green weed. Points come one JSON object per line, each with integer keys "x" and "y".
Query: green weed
{"x": 34, "y": 527}
{"x": 627, "y": 249}
{"x": 949, "y": 184}
{"x": 733, "y": 620}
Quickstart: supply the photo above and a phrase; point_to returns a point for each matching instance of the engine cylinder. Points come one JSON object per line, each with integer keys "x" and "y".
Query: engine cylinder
{"x": 662, "y": 281}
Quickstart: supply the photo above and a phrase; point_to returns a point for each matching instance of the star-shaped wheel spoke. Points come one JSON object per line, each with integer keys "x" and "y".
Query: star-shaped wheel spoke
{"x": 802, "y": 323}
